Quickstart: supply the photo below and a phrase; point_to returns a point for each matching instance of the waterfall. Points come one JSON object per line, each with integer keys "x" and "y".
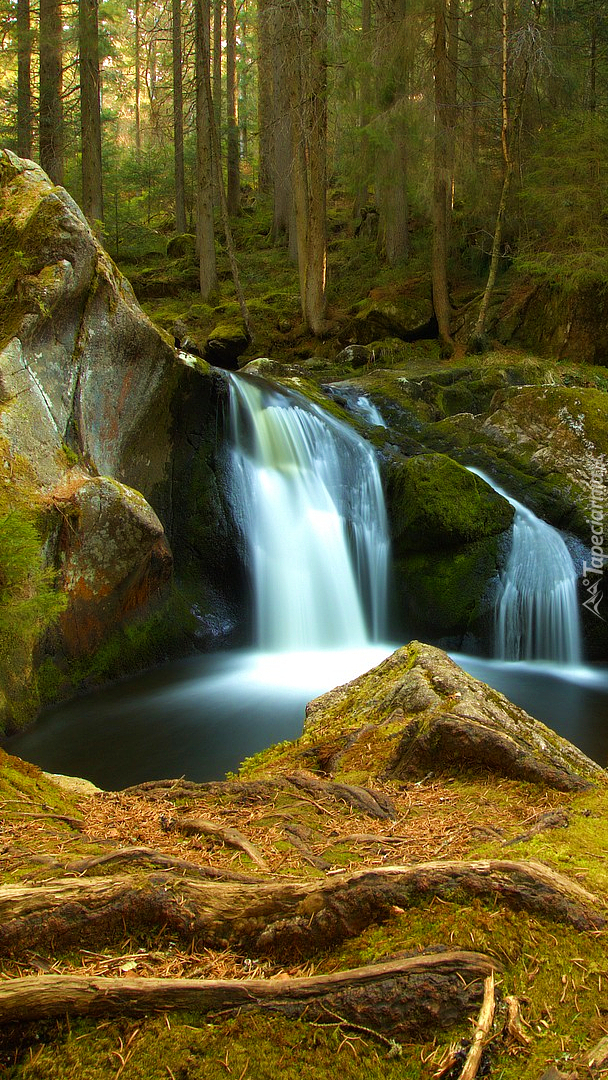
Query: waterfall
{"x": 537, "y": 614}
{"x": 306, "y": 494}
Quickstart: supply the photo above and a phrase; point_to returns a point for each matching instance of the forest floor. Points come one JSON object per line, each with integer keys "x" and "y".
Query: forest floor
{"x": 551, "y": 977}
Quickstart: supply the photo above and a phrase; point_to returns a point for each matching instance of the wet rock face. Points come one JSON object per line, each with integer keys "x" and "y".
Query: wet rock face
{"x": 95, "y": 408}
{"x": 419, "y": 713}
{"x": 101, "y": 367}
{"x": 115, "y": 560}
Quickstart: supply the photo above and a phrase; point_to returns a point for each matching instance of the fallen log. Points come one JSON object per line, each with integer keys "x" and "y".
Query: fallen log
{"x": 407, "y": 997}
{"x": 272, "y": 917}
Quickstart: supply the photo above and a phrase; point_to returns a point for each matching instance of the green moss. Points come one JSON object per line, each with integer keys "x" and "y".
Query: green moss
{"x": 434, "y": 502}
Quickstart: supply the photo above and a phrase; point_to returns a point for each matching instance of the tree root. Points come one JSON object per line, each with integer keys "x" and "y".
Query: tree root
{"x": 273, "y": 917}
{"x": 408, "y": 997}
{"x": 367, "y": 800}
{"x": 196, "y": 826}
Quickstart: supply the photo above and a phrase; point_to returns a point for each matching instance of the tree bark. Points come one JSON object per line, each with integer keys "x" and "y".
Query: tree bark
{"x": 178, "y": 118}
{"x": 266, "y": 60}
{"x": 51, "y": 86}
{"x": 273, "y": 918}
{"x": 24, "y": 79}
{"x": 441, "y": 181}
{"x": 204, "y": 125}
{"x": 137, "y": 79}
{"x": 90, "y": 113}
{"x": 283, "y": 220}
{"x": 508, "y": 135}
{"x": 410, "y": 997}
{"x": 233, "y": 178}
{"x": 308, "y": 100}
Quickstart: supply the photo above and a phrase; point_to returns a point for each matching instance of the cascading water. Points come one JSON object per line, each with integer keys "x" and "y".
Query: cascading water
{"x": 537, "y": 615}
{"x": 306, "y": 492}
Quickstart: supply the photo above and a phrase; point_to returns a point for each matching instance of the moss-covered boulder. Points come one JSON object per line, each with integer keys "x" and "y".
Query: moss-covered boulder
{"x": 436, "y": 503}
{"x": 558, "y": 431}
{"x": 226, "y": 342}
{"x": 418, "y": 711}
{"x": 183, "y": 245}
{"x": 567, "y": 322}
{"x": 446, "y": 525}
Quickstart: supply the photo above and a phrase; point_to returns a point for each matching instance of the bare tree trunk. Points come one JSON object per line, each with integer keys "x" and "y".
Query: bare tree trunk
{"x": 233, "y": 186}
{"x": 217, "y": 94}
{"x": 365, "y": 165}
{"x": 24, "y": 79}
{"x": 178, "y": 118}
{"x": 51, "y": 86}
{"x": 508, "y": 135}
{"x": 204, "y": 125}
{"x": 391, "y": 158}
{"x": 283, "y": 219}
{"x": 267, "y": 60}
{"x": 90, "y": 113}
{"x": 137, "y": 79}
{"x": 441, "y": 182}
{"x": 308, "y": 100}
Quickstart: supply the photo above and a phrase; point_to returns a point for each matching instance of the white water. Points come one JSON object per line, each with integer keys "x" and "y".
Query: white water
{"x": 537, "y": 614}
{"x": 369, "y": 412}
{"x": 306, "y": 493}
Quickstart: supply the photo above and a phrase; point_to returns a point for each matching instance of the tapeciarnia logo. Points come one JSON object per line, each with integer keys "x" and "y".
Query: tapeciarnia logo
{"x": 593, "y": 572}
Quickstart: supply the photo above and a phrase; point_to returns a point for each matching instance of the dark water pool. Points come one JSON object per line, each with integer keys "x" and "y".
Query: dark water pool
{"x": 201, "y": 716}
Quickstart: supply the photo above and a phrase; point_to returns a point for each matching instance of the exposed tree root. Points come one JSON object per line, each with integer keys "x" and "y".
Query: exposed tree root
{"x": 151, "y": 857}
{"x": 196, "y": 826}
{"x": 406, "y": 997}
{"x": 271, "y": 918}
{"x": 371, "y": 802}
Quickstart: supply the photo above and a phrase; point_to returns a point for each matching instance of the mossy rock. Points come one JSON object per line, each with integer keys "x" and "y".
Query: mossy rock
{"x": 445, "y": 594}
{"x": 225, "y": 344}
{"x": 434, "y": 503}
{"x": 182, "y": 246}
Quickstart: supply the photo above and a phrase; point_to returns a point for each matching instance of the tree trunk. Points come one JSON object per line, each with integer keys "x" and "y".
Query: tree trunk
{"x": 273, "y": 918}
{"x": 267, "y": 60}
{"x": 90, "y": 113}
{"x": 137, "y": 79}
{"x": 391, "y": 157}
{"x": 216, "y": 77}
{"x": 24, "y": 80}
{"x": 178, "y": 119}
{"x": 204, "y": 219}
{"x": 308, "y": 101}
{"x": 508, "y": 135}
{"x": 233, "y": 178}
{"x": 51, "y": 85}
{"x": 283, "y": 219}
{"x": 364, "y": 165}
{"x": 441, "y": 182}
{"x": 406, "y": 998}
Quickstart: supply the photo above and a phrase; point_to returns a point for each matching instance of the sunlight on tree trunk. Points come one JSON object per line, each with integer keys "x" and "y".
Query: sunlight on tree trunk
{"x": 90, "y": 113}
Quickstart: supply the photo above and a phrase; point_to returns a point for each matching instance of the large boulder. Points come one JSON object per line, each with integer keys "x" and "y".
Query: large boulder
{"x": 435, "y": 503}
{"x": 569, "y": 323}
{"x": 114, "y": 559}
{"x": 446, "y": 529}
{"x": 418, "y": 712}
{"x": 102, "y": 428}
{"x": 104, "y": 372}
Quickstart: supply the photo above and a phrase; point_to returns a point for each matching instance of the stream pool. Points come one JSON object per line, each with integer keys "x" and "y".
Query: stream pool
{"x": 201, "y": 716}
